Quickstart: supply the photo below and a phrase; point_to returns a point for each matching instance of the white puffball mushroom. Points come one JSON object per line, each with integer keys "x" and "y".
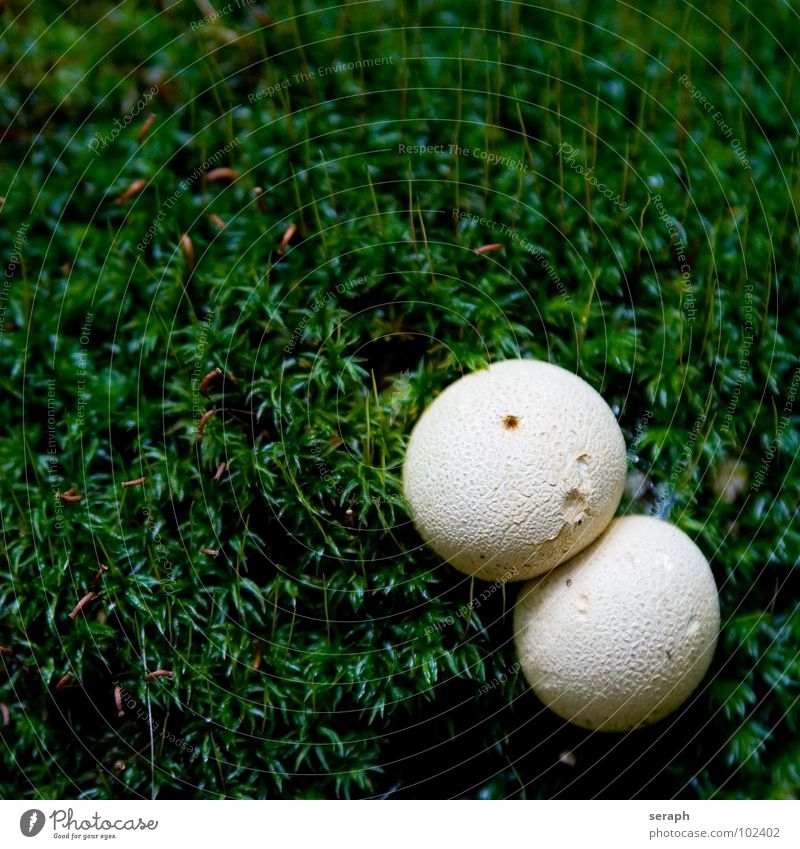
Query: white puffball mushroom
{"x": 514, "y": 469}
{"x": 622, "y": 634}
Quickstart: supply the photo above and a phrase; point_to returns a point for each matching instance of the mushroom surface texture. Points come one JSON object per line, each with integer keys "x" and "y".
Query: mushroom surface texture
{"x": 621, "y": 635}
{"x": 514, "y": 469}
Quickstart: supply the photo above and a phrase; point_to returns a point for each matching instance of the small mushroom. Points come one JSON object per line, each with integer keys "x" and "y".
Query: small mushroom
{"x": 514, "y": 469}
{"x": 622, "y": 634}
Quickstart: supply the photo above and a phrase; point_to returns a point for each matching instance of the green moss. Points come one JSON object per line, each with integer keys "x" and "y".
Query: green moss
{"x": 322, "y": 652}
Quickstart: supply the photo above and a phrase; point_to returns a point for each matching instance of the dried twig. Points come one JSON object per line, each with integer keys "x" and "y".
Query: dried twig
{"x": 201, "y": 425}
{"x": 148, "y": 122}
{"x": 159, "y": 673}
{"x": 220, "y": 470}
{"x": 348, "y": 517}
{"x": 82, "y": 603}
{"x": 136, "y": 482}
{"x": 212, "y": 375}
{"x": 118, "y": 700}
{"x": 259, "y": 193}
{"x": 69, "y": 496}
{"x": 287, "y": 237}
{"x": 188, "y": 249}
{"x": 62, "y": 682}
{"x": 98, "y": 575}
{"x": 217, "y": 221}
{"x": 135, "y": 187}
{"x": 221, "y": 174}
{"x": 263, "y": 18}
{"x": 211, "y": 552}
{"x": 485, "y": 249}
{"x": 5, "y": 714}
{"x": 257, "y": 659}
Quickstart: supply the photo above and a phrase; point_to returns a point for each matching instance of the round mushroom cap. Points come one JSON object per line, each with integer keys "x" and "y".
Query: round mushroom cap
{"x": 514, "y": 469}
{"x": 621, "y": 635}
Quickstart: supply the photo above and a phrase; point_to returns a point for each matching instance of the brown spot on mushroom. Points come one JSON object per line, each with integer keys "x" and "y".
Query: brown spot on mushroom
{"x": 569, "y": 582}
{"x": 511, "y": 422}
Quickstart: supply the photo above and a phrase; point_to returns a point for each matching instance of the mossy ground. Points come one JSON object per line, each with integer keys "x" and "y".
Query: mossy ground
{"x": 639, "y": 171}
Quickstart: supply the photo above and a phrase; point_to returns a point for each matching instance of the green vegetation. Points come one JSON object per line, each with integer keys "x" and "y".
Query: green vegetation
{"x": 322, "y": 652}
